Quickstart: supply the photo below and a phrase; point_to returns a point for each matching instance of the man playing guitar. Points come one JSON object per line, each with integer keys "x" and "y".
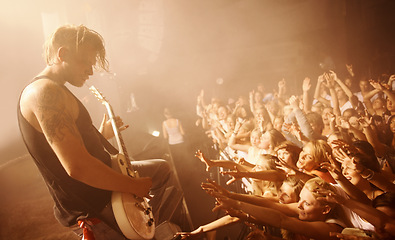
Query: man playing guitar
{"x": 67, "y": 149}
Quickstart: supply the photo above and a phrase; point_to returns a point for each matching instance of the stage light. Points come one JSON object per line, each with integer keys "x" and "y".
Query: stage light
{"x": 155, "y": 133}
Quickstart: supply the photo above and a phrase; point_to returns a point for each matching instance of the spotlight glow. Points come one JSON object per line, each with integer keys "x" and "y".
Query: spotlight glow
{"x": 155, "y": 133}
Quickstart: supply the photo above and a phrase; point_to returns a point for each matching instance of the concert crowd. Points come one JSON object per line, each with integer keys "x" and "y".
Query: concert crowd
{"x": 316, "y": 165}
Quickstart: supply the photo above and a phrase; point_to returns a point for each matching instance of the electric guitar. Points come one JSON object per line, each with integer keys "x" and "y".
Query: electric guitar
{"x": 133, "y": 214}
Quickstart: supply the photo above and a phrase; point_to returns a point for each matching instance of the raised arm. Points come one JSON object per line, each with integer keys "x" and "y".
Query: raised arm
{"x": 306, "y": 98}
{"x": 275, "y": 218}
{"x": 217, "y": 191}
{"x": 317, "y": 92}
{"x": 266, "y": 175}
{"x": 341, "y": 84}
{"x": 367, "y": 212}
{"x": 372, "y": 137}
{"x": 232, "y": 139}
{"x": 330, "y": 81}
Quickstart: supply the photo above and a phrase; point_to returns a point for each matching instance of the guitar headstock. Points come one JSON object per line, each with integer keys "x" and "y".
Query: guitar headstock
{"x": 98, "y": 94}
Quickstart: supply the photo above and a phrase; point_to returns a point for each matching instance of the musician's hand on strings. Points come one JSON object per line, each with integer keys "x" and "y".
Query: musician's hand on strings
{"x": 106, "y": 128}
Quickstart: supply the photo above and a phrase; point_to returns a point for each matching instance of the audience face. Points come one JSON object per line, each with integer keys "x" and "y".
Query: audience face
{"x": 347, "y": 115}
{"x": 355, "y": 123}
{"x": 242, "y": 113}
{"x": 265, "y": 141}
{"x": 348, "y": 82}
{"x": 364, "y": 86}
{"x": 278, "y": 123}
{"x": 392, "y": 125}
{"x": 287, "y": 194}
{"x": 378, "y": 103}
{"x": 390, "y": 105}
{"x": 230, "y": 122}
{"x": 255, "y": 139}
{"x": 326, "y": 114}
{"x": 323, "y": 90}
{"x": 306, "y": 160}
{"x": 309, "y": 208}
{"x": 379, "y": 123}
{"x": 260, "y": 114}
{"x": 222, "y": 113}
{"x": 340, "y": 93}
{"x": 285, "y": 156}
{"x": 348, "y": 169}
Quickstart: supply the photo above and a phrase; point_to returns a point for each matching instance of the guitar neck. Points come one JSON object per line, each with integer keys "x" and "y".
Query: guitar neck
{"x": 117, "y": 133}
{"x": 111, "y": 115}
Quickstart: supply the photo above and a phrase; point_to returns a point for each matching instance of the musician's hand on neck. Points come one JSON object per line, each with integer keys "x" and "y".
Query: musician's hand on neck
{"x": 106, "y": 127}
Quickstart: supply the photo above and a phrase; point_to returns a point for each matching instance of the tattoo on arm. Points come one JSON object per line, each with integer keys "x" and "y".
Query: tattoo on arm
{"x": 53, "y": 116}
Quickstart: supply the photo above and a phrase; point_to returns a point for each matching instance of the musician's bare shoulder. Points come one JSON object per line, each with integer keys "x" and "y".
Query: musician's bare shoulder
{"x": 44, "y": 99}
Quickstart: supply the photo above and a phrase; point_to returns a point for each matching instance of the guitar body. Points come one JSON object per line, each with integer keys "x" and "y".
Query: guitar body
{"x": 133, "y": 215}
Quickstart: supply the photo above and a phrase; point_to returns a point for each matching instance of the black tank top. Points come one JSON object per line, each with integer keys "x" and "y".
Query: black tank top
{"x": 73, "y": 199}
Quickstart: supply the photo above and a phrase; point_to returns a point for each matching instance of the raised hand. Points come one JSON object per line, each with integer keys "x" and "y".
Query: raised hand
{"x": 321, "y": 79}
{"x": 294, "y": 130}
{"x": 226, "y": 204}
{"x": 294, "y": 102}
{"x": 208, "y": 163}
{"x": 251, "y": 94}
{"x": 377, "y": 85}
{"x": 365, "y": 121}
{"x": 340, "y": 154}
{"x": 281, "y": 84}
{"x": 329, "y": 80}
{"x": 330, "y": 196}
{"x": 343, "y": 123}
{"x": 235, "y": 174}
{"x": 214, "y": 189}
{"x": 350, "y": 69}
{"x": 287, "y": 168}
{"x": 333, "y": 167}
{"x": 306, "y": 84}
{"x": 333, "y": 75}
